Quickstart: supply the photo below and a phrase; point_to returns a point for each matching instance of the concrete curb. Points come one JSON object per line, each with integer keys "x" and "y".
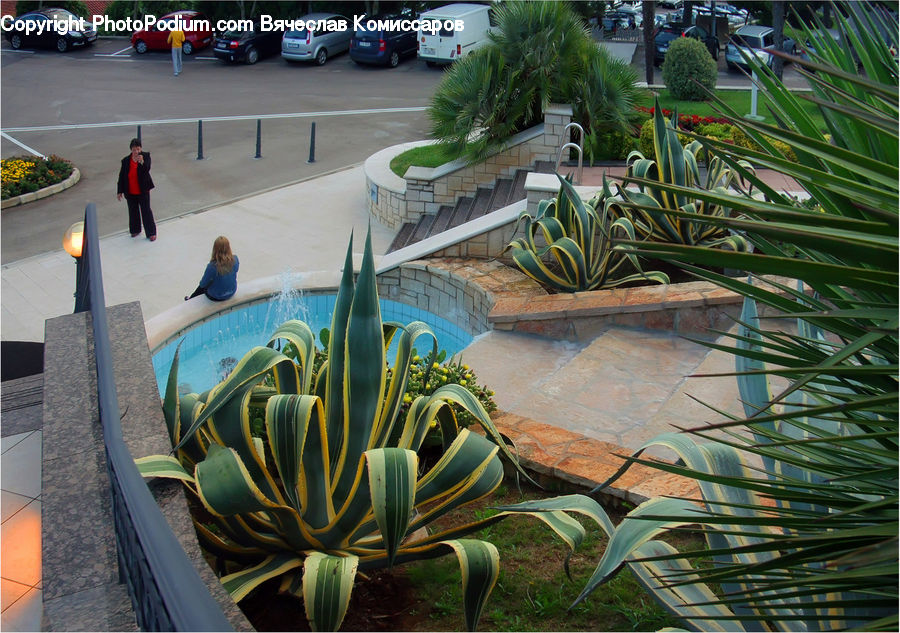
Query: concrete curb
{"x": 31, "y": 196}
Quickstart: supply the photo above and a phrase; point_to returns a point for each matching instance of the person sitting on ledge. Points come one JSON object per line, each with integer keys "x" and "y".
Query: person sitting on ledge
{"x": 219, "y": 280}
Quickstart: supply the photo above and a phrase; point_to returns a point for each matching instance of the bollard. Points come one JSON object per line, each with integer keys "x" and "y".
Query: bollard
{"x": 200, "y": 140}
{"x": 139, "y": 134}
{"x": 258, "y": 138}
{"x": 312, "y": 143}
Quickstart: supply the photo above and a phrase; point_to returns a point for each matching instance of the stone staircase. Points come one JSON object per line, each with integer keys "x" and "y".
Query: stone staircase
{"x": 505, "y": 192}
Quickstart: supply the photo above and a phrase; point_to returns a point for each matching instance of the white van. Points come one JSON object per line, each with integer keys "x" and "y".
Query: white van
{"x": 449, "y": 44}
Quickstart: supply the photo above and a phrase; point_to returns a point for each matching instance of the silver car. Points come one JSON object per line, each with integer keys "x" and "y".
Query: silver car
{"x": 319, "y": 44}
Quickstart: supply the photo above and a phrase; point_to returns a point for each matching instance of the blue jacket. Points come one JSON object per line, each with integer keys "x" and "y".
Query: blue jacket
{"x": 220, "y": 287}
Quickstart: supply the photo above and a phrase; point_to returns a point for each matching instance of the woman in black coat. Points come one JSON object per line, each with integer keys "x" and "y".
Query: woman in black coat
{"x": 135, "y": 184}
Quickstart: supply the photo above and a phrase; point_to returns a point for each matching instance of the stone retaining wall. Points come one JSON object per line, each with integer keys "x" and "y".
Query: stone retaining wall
{"x": 424, "y": 190}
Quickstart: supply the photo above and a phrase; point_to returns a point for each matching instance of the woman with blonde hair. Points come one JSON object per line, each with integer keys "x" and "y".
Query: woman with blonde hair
{"x": 219, "y": 280}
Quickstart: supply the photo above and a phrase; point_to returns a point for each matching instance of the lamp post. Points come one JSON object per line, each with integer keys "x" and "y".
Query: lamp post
{"x": 73, "y": 242}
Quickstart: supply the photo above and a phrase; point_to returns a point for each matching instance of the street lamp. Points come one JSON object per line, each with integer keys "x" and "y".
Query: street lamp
{"x": 73, "y": 239}
{"x": 73, "y": 243}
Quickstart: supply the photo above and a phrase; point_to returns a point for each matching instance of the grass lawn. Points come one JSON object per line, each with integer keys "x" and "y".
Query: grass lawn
{"x": 424, "y": 156}
{"x": 738, "y": 100}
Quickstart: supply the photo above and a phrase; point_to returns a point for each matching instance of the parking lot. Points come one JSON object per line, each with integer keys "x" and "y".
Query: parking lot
{"x": 86, "y": 104}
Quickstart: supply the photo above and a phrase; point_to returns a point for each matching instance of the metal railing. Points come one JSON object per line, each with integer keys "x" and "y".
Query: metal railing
{"x": 166, "y": 591}
{"x": 579, "y": 146}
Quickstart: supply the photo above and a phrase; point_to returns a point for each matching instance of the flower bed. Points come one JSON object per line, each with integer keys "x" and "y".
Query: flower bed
{"x": 27, "y": 174}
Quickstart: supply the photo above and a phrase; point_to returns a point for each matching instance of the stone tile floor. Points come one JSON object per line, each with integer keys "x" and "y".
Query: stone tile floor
{"x": 20, "y": 533}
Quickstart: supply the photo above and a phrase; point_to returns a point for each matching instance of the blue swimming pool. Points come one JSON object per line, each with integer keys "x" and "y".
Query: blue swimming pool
{"x": 211, "y": 348}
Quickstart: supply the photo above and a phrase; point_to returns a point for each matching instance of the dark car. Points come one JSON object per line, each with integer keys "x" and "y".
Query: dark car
{"x": 248, "y": 46}
{"x": 381, "y": 46}
{"x": 668, "y": 33}
{"x": 41, "y": 28}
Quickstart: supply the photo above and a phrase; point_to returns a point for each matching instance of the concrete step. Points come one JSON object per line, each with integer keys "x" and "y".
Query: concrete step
{"x": 423, "y": 228}
{"x": 442, "y": 221}
{"x": 481, "y": 204}
{"x": 402, "y": 237}
{"x": 500, "y": 197}
{"x": 460, "y": 212}
{"x": 22, "y": 406}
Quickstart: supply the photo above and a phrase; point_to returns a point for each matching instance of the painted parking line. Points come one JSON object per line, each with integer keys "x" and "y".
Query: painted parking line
{"x": 113, "y": 54}
{"x": 242, "y": 117}
{"x": 12, "y": 50}
{"x": 22, "y": 145}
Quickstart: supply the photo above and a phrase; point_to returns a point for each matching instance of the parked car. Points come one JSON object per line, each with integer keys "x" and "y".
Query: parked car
{"x": 248, "y": 46}
{"x": 48, "y": 37}
{"x": 197, "y": 33}
{"x": 734, "y": 18}
{"x": 666, "y": 34}
{"x": 671, "y": 4}
{"x": 380, "y": 46}
{"x": 319, "y": 44}
{"x": 629, "y": 16}
{"x": 751, "y": 41}
{"x": 449, "y": 44}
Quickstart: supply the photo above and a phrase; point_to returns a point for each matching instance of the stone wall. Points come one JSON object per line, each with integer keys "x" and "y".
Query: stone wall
{"x": 425, "y": 190}
{"x": 81, "y": 588}
{"x": 461, "y": 291}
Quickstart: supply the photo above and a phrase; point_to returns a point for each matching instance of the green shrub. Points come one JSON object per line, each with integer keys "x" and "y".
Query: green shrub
{"x": 742, "y": 140}
{"x": 645, "y": 141}
{"x": 609, "y": 145}
{"x": 689, "y": 70}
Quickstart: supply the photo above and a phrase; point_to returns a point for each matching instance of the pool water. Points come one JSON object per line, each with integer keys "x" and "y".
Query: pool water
{"x": 212, "y": 348}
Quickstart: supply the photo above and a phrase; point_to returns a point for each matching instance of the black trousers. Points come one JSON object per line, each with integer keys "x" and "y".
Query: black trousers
{"x": 202, "y": 291}
{"x": 139, "y": 211}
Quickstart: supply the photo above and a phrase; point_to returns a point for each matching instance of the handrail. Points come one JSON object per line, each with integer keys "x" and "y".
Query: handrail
{"x": 559, "y": 160}
{"x": 577, "y": 126}
{"x": 166, "y": 591}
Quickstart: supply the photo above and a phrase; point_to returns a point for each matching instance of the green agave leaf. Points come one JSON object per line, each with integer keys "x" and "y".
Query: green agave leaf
{"x": 241, "y": 583}
{"x": 222, "y": 547}
{"x": 683, "y": 601}
{"x": 162, "y": 466}
{"x": 327, "y": 583}
{"x": 629, "y": 536}
{"x": 392, "y": 481}
{"x": 333, "y": 389}
{"x": 249, "y": 371}
{"x": 301, "y": 337}
{"x": 479, "y": 563}
{"x": 461, "y": 396}
{"x": 171, "y": 410}
{"x": 364, "y": 377}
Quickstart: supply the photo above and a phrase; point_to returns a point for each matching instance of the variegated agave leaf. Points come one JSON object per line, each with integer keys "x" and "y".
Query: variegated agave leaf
{"x": 332, "y": 485}
{"x": 579, "y": 252}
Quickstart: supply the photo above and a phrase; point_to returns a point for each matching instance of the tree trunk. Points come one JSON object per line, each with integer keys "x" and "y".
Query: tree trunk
{"x": 778, "y": 25}
{"x": 687, "y": 13}
{"x": 648, "y": 7}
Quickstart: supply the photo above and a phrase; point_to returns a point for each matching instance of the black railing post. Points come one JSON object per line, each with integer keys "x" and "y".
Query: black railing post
{"x": 139, "y": 134}
{"x": 258, "y": 138}
{"x": 200, "y": 140}
{"x": 312, "y": 143}
{"x": 82, "y": 283}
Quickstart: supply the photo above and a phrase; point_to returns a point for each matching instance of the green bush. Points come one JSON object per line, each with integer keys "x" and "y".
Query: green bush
{"x": 614, "y": 145}
{"x": 689, "y": 70}
{"x": 645, "y": 141}
{"x": 742, "y": 140}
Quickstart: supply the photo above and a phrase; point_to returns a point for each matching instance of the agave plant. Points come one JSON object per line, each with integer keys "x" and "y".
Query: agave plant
{"x": 579, "y": 238}
{"x": 650, "y": 206}
{"x": 800, "y": 497}
{"x": 333, "y": 487}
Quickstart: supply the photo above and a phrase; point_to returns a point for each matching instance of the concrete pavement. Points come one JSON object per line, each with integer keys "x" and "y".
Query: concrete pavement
{"x": 303, "y": 227}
